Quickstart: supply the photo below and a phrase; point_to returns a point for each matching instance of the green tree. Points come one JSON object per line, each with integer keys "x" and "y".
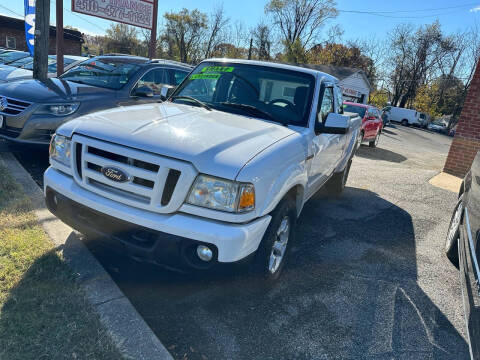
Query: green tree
{"x": 121, "y": 38}
{"x": 183, "y": 32}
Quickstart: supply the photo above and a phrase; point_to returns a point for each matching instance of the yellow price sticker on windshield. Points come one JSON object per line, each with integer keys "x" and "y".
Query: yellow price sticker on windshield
{"x": 217, "y": 69}
{"x": 205, "y": 76}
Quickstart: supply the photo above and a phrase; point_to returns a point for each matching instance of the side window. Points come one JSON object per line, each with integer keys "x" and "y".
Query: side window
{"x": 154, "y": 79}
{"x": 178, "y": 76}
{"x": 339, "y": 96}
{"x": 326, "y": 105}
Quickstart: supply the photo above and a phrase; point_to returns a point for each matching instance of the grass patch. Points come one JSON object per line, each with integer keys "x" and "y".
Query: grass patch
{"x": 43, "y": 312}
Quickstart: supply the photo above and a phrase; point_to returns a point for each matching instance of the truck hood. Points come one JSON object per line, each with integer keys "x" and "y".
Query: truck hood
{"x": 50, "y": 90}
{"x": 215, "y": 142}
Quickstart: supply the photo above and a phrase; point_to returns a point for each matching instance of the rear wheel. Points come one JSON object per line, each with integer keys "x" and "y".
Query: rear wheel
{"x": 270, "y": 257}
{"x": 453, "y": 234}
{"x": 405, "y": 122}
{"x": 374, "y": 143}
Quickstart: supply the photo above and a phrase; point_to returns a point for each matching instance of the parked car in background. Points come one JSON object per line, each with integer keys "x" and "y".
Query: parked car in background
{"x": 438, "y": 126}
{"x": 406, "y": 117}
{"x": 372, "y": 123}
{"x": 217, "y": 174}
{"x": 453, "y": 131}
{"x": 23, "y": 68}
{"x": 424, "y": 120}
{"x": 31, "y": 110}
{"x": 9, "y": 56}
{"x": 462, "y": 248}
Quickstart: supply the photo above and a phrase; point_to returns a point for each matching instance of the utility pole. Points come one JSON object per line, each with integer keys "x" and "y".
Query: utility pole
{"x": 250, "y": 49}
{"x": 153, "y": 36}
{"x": 59, "y": 17}
{"x": 42, "y": 35}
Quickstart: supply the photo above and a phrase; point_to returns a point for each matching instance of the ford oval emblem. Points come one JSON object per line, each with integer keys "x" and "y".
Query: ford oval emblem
{"x": 115, "y": 174}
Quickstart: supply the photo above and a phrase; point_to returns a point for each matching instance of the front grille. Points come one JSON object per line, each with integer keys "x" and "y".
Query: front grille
{"x": 13, "y": 106}
{"x": 153, "y": 182}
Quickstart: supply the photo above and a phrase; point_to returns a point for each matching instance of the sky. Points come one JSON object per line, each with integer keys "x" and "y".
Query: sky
{"x": 356, "y": 18}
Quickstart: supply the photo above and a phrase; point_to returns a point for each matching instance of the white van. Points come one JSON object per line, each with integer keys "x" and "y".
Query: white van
{"x": 406, "y": 117}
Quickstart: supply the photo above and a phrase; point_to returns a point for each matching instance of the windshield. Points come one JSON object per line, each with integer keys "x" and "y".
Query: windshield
{"x": 106, "y": 73}
{"x": 355, "y": 109}
{"x": 21, "y": 62}
{"x": 270, "y": 93}
{"x": 9, "y": 57}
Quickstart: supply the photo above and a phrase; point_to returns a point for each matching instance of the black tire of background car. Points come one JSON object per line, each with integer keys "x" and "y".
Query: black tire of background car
{"x": 405, "y": 122}
{"x": 336, "y": 184}
{"x": 373, "y": 144}
{"x": 286, "y": 207}
{"x": 452, "y": 250}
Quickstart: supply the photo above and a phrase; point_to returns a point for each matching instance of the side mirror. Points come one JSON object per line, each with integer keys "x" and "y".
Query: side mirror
{"x": 143, "y": 91}
{"x": 166, "y": 91}
{"x": 334, "y": 124}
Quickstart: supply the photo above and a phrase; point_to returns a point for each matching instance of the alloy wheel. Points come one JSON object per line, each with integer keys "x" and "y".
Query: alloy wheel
{"x": 279, "y": 245}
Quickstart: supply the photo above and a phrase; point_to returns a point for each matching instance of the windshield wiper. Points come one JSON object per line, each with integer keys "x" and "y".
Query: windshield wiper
{"x": 252, "y": 110}
{"x": 201, "y": 103}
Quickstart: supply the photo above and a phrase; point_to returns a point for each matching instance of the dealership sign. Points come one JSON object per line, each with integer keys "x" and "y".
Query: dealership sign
{"x": 351, "y": 92}
{"x": 30, "y": 24}
{"x": 132, "y": 12}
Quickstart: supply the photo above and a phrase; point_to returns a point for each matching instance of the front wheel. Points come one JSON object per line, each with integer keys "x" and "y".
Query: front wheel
{"x": 336, "y": 184}
{"x": 270, "y": 257}
{"x": 405, "y": 122}
{"x": 453, "y": 234}
{"x": 374, "y": 143}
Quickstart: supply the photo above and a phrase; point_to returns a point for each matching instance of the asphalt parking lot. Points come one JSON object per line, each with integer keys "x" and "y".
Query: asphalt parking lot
{"x": 367, "y": 278}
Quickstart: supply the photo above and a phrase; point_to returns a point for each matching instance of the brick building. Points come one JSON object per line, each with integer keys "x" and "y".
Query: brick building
{"x": 466, "y": 142}
{"x": 12, "y": 36}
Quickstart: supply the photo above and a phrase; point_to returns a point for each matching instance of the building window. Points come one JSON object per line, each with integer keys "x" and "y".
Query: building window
{"x": 11, "y": 42}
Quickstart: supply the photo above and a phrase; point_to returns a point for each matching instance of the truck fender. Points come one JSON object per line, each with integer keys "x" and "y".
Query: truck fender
{"x": 291, "y": 177}
{"x": 351, "y": 148}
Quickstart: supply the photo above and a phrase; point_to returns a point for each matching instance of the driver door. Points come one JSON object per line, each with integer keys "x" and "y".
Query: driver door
{"x": 324, "y": 146}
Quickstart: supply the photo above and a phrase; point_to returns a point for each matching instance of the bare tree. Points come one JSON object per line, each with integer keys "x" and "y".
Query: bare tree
{"x": 217, "y": 30}
{"x": 299, "y": 21}
{"x": 262, "y": 41}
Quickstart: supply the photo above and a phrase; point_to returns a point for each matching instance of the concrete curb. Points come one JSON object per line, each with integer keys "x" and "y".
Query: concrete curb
{"x": 446, "y": 182}
{"x": 128, "y": 329}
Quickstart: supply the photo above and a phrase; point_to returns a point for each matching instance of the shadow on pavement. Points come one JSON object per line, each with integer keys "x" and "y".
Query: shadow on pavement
{"x": 349, "y": 291}
{"x": 380, "y": 154}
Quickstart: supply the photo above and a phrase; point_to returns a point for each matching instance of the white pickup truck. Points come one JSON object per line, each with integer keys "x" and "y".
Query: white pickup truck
{"x": 217, "y": 173}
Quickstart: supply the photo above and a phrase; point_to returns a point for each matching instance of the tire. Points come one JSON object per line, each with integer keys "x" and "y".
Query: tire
{"x": 453, "y": 233}
{"x": 405, "y": 122}
{"x": 274, "y": 248}
{"x": 336, "y": 184}
{"x": 374, "y": 143}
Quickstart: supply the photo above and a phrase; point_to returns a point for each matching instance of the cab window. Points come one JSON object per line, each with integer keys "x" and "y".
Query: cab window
{"x": 154, "y": 79}
{"x": 339, "y": 96}
{"x": 178, "y": 76}
{"x": 326, "y": 105}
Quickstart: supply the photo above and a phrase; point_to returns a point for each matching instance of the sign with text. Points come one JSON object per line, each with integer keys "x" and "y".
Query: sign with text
{"x": 131, "y": 12}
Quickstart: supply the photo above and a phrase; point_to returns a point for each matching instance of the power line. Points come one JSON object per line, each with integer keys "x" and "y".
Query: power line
{"x": 12, "y": 11}
{"x": 409, "y": 11}
{"x": 86, "y": 20}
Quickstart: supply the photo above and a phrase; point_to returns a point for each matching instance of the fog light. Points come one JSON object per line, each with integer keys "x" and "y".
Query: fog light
{"x": 204, "y": 253}
{"x": 55, "y": 200}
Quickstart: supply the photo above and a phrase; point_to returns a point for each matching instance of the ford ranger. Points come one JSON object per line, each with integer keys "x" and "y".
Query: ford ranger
{"x": 218, "y": 173}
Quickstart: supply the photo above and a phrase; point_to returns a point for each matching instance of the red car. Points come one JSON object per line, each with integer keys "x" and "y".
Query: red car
{"x": 372, "y": 122}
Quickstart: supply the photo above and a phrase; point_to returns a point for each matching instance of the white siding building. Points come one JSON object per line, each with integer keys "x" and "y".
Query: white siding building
{"x": 354, "y": 83}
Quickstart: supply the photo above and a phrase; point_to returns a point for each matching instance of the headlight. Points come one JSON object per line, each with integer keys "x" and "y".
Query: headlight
{"x": 221, "y": 194}
{"x": 60, "y": 149}
{"x": 58, "y": 109}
